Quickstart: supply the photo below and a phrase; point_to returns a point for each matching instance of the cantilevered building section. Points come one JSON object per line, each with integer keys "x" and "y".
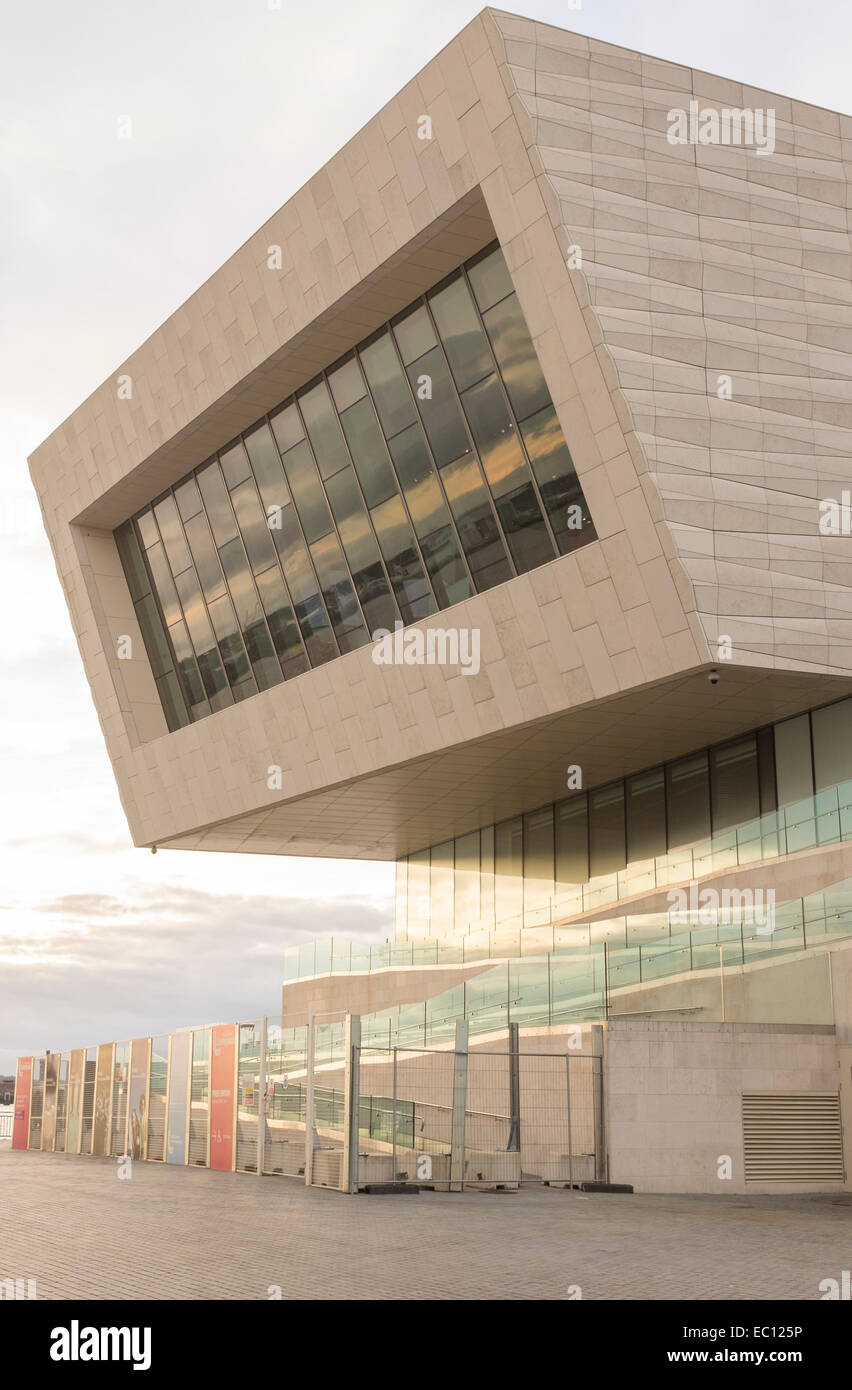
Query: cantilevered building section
{"x": 531, "y": 383}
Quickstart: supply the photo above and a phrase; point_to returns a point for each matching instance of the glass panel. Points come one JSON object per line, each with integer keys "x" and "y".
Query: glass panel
{"x": 287, "y": 428}
{"x": 148, "y": 528}
{"x": 307, "y": 491}
{"x": 461, "y": 332}
{"x": 439, "y": 407}
{"x": 404, "y": 569}
{"x": 508, "y": 475}
{"x": 466, "y": 909}
{"x": 230, "y": 642}
{"x": 172, "y": 533}
{"x": 445, "y": 567}
{"x": 323, "y": 429}
{"x": 734, "y": 783}
{"x": 388, "y": 385}
{"x": 793, "y": 771}
{"x": 187, "y": 667}
{"x": 486, "y": 875}
{"x": 418, "y": 894}
{"x": 369, "y": 452}
{"x": 339, "y": 595}
{"x": 153, "y": 635}
{"x": 832, "y": 736}
{"x": 646, "y": 815}
{"x": 249, "y": 615}
{"x": 558, "y": 483}
{"x": 538, "y": 866}
{"x": 206, "y": 559}
{"x": 509, "y": 870}
{"x": 414, "y": 334}
{"x": 203, "y": 640}
{"x": 362, "y": 552}
{"x": 607, "y": 849}
{"x": 480, "y": 538}
{"x": 163, "y": 583}
{"x": 282, "y": 624}
{"x": 490, "y": 279}
{"x": 217, "y": 503}
{"x": 254, "y": 525}
{"x": 304, "y": 591}
{"x": 400, "y": 905}
{"x": 188, "y": 499}
{"x": 688, "y": 800}
{"x": 234, "y": 464}
{"x": 766, "y": 761}
{"x": 347, "y": 384}
{"x": 572, "y": 845}
{"x": 441, "y": 888}
{"x": 173, "y": 701}
{"x": 516, "y": 358}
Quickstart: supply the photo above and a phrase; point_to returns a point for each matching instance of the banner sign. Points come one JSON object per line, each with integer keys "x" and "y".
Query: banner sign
{"x": 222, "y": 1060}
{"x": 21, "y": 1122}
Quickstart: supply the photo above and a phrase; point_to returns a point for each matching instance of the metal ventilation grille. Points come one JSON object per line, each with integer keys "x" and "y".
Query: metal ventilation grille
{"x": 793, "y": 1136}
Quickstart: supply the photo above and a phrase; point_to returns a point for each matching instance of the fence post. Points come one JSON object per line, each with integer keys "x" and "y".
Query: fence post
{"x": 570, "y": 1136}
{"x": 351, "y": 1103}
{"x": 601, "y": 1156}
{"x": 261, "y": 1098}
{"x": 310, "y": 1056}
{"x": 459, "y": 1105}
{"x": 393, "y": 1120}
{"x": 514, "y": 1144}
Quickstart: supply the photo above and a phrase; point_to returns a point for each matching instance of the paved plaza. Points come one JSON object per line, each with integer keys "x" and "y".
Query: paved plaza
{"x": 180, "y": 1233}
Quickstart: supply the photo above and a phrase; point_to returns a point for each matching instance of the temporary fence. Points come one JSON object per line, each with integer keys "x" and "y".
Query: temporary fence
{"x": 316, "y": 1104}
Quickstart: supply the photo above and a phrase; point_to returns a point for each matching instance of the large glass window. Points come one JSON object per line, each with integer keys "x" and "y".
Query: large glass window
{"x": 646, "y": 815}
{"x": 688, "y": 800}
{"x": 509, "y": 870}
{"x": 793, "y": 765}
{"x": 734, "y": 783}
{"x": 538, "y": 866}
{"x": 424, "y": 466}
{"x": 832, "y": 738}
{"x": 713, "y": 799}
{"x": 607, "y": 848}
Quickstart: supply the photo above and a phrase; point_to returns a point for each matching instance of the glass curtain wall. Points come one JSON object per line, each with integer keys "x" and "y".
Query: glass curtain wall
{"x": 426, "y": 466}
{"x": 774, "y": 791}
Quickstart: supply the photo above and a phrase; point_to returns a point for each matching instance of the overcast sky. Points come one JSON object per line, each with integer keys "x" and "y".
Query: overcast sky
{"x": 234, "y": 104}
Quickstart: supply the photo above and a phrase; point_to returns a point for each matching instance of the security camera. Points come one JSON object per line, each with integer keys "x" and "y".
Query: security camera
{"x": 713, "y": 677}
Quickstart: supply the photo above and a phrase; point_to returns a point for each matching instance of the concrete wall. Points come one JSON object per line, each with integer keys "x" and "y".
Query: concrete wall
{"x": 674, "y": 1094}
{"x": 796, "y": 989}
{"x": 371, "y": 991}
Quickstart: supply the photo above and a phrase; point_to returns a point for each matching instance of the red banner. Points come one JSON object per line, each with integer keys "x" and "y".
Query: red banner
{"x": 223, "y": 1044}
{"x": 21, "y": 1123}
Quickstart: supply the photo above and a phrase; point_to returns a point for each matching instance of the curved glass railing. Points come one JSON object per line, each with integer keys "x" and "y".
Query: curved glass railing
{"x": 580, "y": 985}
{"x": 819, "y": 820}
